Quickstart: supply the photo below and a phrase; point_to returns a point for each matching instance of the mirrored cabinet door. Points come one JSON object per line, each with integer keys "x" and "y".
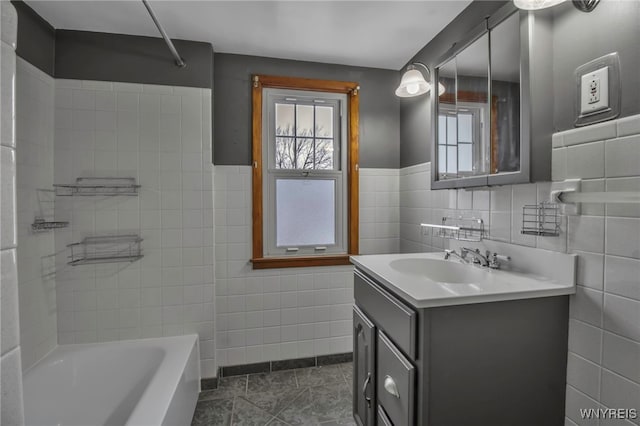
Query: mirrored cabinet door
{"x": 463, "y": 114}
{"x": 492, "y": 122}
{"x": 505, "y": 96}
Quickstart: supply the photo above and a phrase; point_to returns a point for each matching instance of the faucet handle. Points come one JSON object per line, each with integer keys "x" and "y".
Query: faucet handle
{"x": 495, "y": 259}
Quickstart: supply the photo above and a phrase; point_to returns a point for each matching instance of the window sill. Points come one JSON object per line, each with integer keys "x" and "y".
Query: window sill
{"x": 300, "y": 262}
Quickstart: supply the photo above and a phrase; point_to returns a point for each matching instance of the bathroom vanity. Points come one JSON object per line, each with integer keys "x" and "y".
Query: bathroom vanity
{"x": 486, "y": 348}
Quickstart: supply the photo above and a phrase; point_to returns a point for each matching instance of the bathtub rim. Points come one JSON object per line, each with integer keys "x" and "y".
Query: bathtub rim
{"x": 152, "y": 406}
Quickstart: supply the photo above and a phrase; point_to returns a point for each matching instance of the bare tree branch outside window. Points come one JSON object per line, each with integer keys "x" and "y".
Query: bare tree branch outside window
{"x": 303, "y": 151}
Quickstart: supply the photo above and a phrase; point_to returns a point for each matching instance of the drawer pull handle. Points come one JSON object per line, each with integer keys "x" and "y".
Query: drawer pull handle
{"x": 390, "y": 386}
{"x": 364, "y": 389}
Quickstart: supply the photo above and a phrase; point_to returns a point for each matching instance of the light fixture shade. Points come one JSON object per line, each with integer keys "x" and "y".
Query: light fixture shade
{"x": 412, "y": 84}
{"x": 536, "y": 4}
{"x": 441, "y": 89}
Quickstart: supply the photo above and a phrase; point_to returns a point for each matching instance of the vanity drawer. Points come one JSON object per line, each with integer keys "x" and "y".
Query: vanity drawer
{"x": 390, "y": 314}
{"x": 395, "y": 377}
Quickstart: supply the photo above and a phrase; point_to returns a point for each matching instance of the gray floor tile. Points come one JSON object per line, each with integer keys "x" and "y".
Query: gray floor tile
{"x": 277, "y": 422}
{"x": 247, "y": 414}
{"x": 278, "y": 380}
{"x": 316, "y": 376}
{"x": 228, "y": 387}
{"x": 347, "y": 371}
{"x": 311, "y": 396}
{"x": 274, "y": 401}
{"x": 341, "y": 422}
{"x": 213, "y": 413}
{"x": 319, "y": 404}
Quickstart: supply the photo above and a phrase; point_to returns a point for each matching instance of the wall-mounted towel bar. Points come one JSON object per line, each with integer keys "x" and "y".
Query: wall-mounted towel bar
{"x": 568, "y": 195}
{"x": 600, "y": 197}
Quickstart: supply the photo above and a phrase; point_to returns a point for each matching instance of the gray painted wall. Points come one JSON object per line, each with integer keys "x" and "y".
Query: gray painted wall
{"x": 415, "y": 113}
{"x": 379, "y": 107}
{"x": 580, "y": 37}
{"x": 36, "y": 38}
{"x": 109, "y": 57}
{"x": 132, "y": 59}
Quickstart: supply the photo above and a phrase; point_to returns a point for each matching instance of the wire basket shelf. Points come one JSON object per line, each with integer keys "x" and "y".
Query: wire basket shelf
{"x": 541, "y": 219}
{"x": 98, "y": 186}
{"x": 106, "y": 249}
{"x": 458, "y": 228}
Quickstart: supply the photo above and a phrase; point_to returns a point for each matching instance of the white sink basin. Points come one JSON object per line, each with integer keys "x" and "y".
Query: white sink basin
{"x": 428, "y": 280}
{"x": 441, "y": 271}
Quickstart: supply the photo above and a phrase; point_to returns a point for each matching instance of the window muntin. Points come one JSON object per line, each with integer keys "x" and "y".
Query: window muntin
{"x": 302, "y": 134}
{"x": 459, "y": 151}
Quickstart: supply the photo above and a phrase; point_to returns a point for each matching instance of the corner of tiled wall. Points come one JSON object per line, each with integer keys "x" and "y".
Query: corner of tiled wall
{"x": 34, "y": 176}
{"x": 10, "y": 360}
{"x": 379, "y": 211}
{"x": 604, "y": 329}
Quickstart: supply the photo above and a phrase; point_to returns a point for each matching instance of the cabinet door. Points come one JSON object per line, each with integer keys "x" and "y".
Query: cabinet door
{"x": 364, "y": 376}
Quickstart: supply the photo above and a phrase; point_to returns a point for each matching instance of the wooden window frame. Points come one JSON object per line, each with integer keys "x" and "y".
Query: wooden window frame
{"x": 351, "y": 89}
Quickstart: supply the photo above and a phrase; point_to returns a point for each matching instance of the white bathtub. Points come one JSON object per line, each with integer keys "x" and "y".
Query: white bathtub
{"x": 135, "y": 382}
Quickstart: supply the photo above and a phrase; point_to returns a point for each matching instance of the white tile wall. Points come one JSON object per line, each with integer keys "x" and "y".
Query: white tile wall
{"x": 12, "y": 412}
{"x": 274, "y": 314}
{"x": 604, "y": 326}
{"x": 379, "y": 211}
{"x": 36, "y": 251}
{"x": 161, "y": 135}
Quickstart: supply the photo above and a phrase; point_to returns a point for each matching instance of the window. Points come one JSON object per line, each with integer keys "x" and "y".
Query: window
{"x": 460, "y": 151}
{"x": 305, "y": 177}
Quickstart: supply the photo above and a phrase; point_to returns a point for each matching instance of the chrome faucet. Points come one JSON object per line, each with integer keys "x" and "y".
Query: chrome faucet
{"x": 488, "y": 260}
{"x": 449, "y": 253}
{"x": 478, "y": 258}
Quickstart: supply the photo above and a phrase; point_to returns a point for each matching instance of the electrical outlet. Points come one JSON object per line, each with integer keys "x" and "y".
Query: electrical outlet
{"x": 594, "y": 91}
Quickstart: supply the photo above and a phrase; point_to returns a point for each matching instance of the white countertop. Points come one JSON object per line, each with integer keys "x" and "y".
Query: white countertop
{"x": 497, "y": 285}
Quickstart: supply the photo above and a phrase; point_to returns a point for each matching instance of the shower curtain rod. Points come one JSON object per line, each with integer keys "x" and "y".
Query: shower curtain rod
{"x": 179, "y": 61}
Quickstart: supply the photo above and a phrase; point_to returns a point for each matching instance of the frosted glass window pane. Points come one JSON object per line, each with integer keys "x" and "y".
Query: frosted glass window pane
{"x": 442, "y": 159}
{"x": 305, "y": 212}
{"x": 442, "y": 130}
{"x": 304, "y": 120}
{"x": 304, "y": 154}
{"x": 466, "y": 157}
{"x": 324, "y": 154}
{"x": 465, "y": 127}
{"x": 284, "y": 119}
{"x": 452, "y": 130}
{"x": 285, "y": 149}
{"x": 324, "y": 122}
{"x": 452, "y": 159}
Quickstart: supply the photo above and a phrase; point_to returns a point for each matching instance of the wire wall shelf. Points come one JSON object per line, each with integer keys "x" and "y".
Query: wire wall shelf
{"x": 541, "y": 219}
{"x": 458, "y": 228}
{"x": 98, "y": 186}
{"x": 39, "y": 224}
{"x": 106, "y": 249}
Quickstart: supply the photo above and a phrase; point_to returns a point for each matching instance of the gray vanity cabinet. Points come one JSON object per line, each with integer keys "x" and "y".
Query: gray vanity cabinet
{"x": 493, "y": 363}
{"x": 364, "y": 380}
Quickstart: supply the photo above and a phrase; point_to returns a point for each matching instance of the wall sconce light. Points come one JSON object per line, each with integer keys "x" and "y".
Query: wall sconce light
{"x": 413, "y": 82}
{"x": 582, "y": 5}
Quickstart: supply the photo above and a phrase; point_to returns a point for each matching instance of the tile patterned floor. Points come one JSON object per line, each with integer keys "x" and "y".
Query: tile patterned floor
{"x": 307, "y": 396}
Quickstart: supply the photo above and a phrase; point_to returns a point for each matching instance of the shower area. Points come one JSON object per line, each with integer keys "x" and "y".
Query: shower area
{"x": 107, "y": 240}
